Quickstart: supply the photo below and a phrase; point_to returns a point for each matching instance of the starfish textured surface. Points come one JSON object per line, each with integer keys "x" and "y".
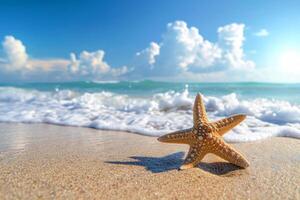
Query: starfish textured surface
{"x": 206, "y": 137}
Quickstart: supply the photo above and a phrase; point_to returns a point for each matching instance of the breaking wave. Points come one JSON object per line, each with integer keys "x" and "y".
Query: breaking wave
{"x": 153, "y": 115}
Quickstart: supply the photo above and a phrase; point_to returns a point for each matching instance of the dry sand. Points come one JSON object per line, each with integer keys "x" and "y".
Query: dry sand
{"x": 39, "y": 161}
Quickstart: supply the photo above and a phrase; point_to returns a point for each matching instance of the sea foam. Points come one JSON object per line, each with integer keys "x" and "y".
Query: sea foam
{"x": 152, "y": 115}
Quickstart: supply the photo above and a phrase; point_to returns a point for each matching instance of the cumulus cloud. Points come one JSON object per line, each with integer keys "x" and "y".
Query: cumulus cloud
{"x": 18, "y": 65}
{"x": 16, "y": 56}
{"x": 144, "y": 60}
{"x": 92, "y": 64}
{"x": 184, "y": 49}
{"x": 262, "y": 33}
{"x": 231, "y": 39}
{"x": 89, "y": 63}
{"x": 148, "y": 54}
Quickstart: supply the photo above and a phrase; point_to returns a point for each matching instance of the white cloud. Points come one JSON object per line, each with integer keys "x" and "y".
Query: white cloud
{"x": 149, "y": 53}
{"x": 184, "y": 49}
{"x": 16, "y": 56}
{"x": 231, "y": 39}
{"x": 144, "y": 60}
{"x": 17, "y": 65}
{"x": 115, "y": 72}
{"x": 92, "y": 64}
{"x": 262, "y": 33}
{"x": 89, "y": 63}
{"x": 181, "y": 51}
{"x": 48, "y": 65}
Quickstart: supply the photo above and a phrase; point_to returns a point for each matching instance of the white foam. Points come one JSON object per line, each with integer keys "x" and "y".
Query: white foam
{"x": 154, "y": 116}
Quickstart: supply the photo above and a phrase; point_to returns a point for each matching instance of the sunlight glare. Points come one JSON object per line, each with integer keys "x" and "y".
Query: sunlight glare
{"x": 290, "y": 61}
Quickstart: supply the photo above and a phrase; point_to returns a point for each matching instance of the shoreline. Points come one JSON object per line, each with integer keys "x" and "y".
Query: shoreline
{"x": 48, "y": 161}
{"x": 231, "y": 141}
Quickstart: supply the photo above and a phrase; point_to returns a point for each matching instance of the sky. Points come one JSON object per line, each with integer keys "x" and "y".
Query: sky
{"x": 170, "y": 40}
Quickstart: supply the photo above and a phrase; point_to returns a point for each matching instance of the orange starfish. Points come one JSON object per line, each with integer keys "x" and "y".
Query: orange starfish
{"x": 206, "y": 137}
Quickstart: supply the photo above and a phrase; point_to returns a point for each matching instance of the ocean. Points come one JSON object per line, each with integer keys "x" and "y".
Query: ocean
{"x": 155, "y": 108}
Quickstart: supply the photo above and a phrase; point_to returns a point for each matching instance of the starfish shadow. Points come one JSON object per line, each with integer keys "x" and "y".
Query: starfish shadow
{"x": 155, "y": 164}
{"x": 173, "y": 162}
{"x": 218, "y": 168}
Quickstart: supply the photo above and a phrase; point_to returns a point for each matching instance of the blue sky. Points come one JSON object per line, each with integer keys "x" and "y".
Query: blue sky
{"x": 51, "y": 30}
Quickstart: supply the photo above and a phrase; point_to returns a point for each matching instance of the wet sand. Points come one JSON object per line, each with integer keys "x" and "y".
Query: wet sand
{"x": 39, "y": 161}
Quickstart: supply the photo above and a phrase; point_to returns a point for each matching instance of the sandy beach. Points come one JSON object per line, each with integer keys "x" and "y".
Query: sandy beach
{"x": 39, "y": 161}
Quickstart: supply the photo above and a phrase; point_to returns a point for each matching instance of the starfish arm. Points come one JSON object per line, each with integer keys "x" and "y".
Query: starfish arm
{"x": 180, "y": 137}
{"x": 227, "y": 152}
{"x": 199, "y": 112}
{"x": 224, "y": 125}
{"x": 194, "y": 157}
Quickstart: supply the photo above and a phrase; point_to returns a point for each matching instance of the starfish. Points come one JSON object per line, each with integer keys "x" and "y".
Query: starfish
{"x": 206, "y": 137}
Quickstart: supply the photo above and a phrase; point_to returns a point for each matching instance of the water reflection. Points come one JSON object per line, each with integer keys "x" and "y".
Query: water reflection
{"x": 13, "y": 137}
{"x": 19, "y": 136}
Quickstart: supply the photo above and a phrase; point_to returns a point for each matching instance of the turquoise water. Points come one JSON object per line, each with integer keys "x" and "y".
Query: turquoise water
{"x": 155, "y": 108}
{"x": 287, "y": 92}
